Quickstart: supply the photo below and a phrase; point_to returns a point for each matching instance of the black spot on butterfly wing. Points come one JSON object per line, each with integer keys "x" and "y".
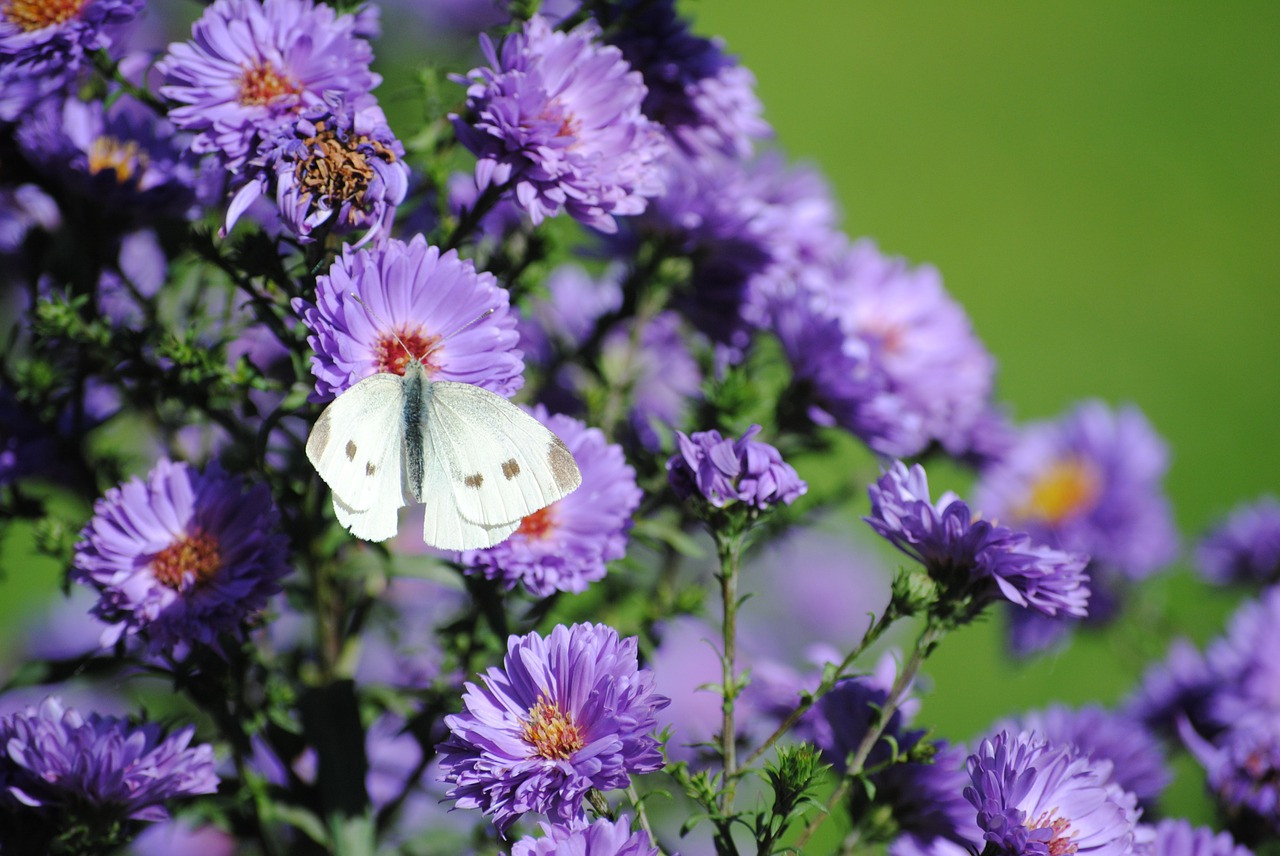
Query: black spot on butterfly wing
{"x": 351, "y": 450}
{"x": 510, "y": 469}
{"x": 474, "y": 480}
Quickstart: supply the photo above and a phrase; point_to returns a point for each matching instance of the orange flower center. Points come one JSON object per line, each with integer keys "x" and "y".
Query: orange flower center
{"x": 393, "y": 356}
{"x": 263, "y": 83}
{"x": 551, "y": 732}
{"x": 538, "y": 525}
{"x": 197, "y": 554}
{"x": 337, "y": 169}
{"x": 33, "y": 15}
{"x": 123, "y": 157}
{"x": 1068, "y": 488}
{"x": 1061, "y": 843}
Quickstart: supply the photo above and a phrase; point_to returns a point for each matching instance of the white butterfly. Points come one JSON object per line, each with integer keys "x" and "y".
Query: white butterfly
{"x": 477, "y": 462}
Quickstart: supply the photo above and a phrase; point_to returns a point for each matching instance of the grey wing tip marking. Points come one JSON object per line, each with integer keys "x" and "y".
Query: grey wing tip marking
{"x": 319, "y": 439}
{"x": 564, "y": 469}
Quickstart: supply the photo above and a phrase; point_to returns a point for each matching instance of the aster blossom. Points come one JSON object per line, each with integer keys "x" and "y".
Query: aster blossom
{"x": 556, "y": 117}
{"x": 723, "y": 470}
{"x": 68, "y": 767}
{"x": 181, "y": 557}
{"x": 604, "y": 837}
{"x": 568, "y": 544}
{"x": 1172, "y": 837}
{"x": 252, "y": 65}
{"x": 333, "y": 169}
{"x": 416, "y": 297}
{"x": 44, "y": 45}
{"x": 1245, "y": 547}
{"x": 563, "y": 715}
{"x": 1035, "y": 799}
{"x": 969, "y": 556}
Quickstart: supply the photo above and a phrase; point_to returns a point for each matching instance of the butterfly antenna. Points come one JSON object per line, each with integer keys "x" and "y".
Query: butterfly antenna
{"x": 438, "y": 342}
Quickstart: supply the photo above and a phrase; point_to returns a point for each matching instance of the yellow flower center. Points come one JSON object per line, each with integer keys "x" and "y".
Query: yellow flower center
{"x": 196, "y": 554}
{"x": 123, "y": 157}
{"x": 551, "y": 732}
{"x": 33, "y": 15}
{"x": 263, "y": 83}
{"x": 1061, "y": 843}
{"x": 1068, "y": 488}
{"x": 337, "y": 169}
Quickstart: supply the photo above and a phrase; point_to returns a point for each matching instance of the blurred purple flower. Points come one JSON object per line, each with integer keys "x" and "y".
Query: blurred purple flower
{"x": 1137, "y": 759}
{"x": 568, "y": 544}
{"x": 181, "y": 558}
{"x": 435, "y": 303}
{"x": 1180, "y": 687}
{"x": 332, "y": 168}
{"x": 565, "y": 714}
{"x": 401, "y": 648}
{"x": 686, "y": 666}
{"x": 1242, "y": 768}
{"x": 1245, "y": 547}
{"x": 1091, "y": 482}
{"x": 251, "y": 65}
{"x": 23, "y": 209}
{"x": 1036, "y": 799}
{"x": 120, "y": 156}
{"x": 604, "y": 837}
{"x": 973, "y": 556}
{"x": 185, "y": 838}
{"x": 566, "y": 317}
{"x": 67, "y": 765}
{"x": 43, "y": 46}
{"x": 655, "y": 367}
{"x": 556, "y": 117}
{"x": 1244, "y": 665}
{"x": 1172, "y": 837}
{"x": 704, "y": 99}
{"x": 723, "y": 471}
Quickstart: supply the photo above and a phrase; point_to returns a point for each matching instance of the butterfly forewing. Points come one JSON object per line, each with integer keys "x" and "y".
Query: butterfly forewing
{"x": 500, "y": 463}
{"x": 357, "y": 444}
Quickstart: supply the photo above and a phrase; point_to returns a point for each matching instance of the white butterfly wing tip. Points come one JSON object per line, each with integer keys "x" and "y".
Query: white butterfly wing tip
{"x": 377, "y": 524}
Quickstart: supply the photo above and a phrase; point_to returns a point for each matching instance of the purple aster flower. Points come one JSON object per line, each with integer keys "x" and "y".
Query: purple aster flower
{"x": 920, "y": 340}
{"x": 602, "y": 838}
{"x": 658, "y": 371}
{"x": 1172, "y": 837}
{"x": 1035, "y": 799}
{"x": 181, "y": 558}
{"x": 565, "y": 714}
{"x": 1137, "y": 759}
{"x": 973, "y": 557}
{"x": 72, "y": 768}
{"x": 43, "y": 45}
{"x": 556, "y": 116}
{"x": 1242, "y": 766}
{"x": 1180, "y": 687}
{"x": 332, "y": 169}
{"x": 251, "y": 65}
{"x": 568, "y": 544}
{"x": 1243, "y": 663}
{"x": 436, "y": 304}
{"x": 1090, "y": 481}
{"x": 722, "y": 471}
{"x": 1244, "y": 548}
{"x": 119, "y": 156}
{"x": 701, "y": 95}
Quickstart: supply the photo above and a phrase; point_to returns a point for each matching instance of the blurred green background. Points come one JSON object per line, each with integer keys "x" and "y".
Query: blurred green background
{"x": 1099, "y": 184}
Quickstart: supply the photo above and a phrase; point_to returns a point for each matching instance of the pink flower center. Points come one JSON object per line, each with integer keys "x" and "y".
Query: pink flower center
{"x": 551, "y": 732}
{"x": 196, "y": 554}
{"x": 539, "y": 525}
{"x": 1061, "y": 843}
{"x": 263, "y": 83}
{"x": 1068, "y": 488}
{"x": 123, "y": 157}
{"x": 33, "y": 15}
{"x": 392, "y": 356}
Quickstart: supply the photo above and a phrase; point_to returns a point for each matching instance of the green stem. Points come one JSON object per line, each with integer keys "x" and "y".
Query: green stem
{"x": 873, "y": 634}
{"x": 730, "y": 552}
{"x": 925, "y": 643}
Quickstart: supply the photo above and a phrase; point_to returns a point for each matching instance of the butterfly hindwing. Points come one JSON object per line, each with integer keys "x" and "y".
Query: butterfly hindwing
{"x": 498, "y": 463}
{"x": 357, "y": 445}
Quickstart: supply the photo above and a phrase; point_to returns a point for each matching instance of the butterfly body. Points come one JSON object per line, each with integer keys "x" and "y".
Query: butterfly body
{"x": 477, "y": 462}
